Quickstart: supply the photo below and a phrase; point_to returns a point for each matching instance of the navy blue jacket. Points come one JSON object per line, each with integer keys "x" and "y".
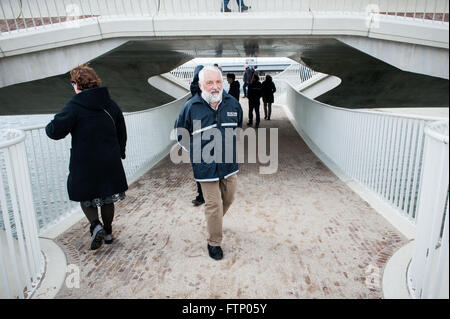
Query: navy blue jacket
{"x": 227, "y": 116}
{"x": 98, "y": 144}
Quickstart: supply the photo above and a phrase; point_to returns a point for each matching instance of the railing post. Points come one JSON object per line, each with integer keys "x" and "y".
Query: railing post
{"x": 22, "y": 260}
{"x": 429, "y": 268}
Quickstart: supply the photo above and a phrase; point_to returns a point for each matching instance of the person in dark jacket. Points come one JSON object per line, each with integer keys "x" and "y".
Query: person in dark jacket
{"x": 234, "y": 86}
{"x": 198, "y": 200}
{"x": 208, "y": 118}
{"x": 96, "y": 175}
{"x": 267, "y": 90}
{"x": 247, "y": 78}
{"x": 254, "y": 97}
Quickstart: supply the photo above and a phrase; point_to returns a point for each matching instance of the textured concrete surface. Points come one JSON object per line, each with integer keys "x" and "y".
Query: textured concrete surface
{"x": 299, "y": 233}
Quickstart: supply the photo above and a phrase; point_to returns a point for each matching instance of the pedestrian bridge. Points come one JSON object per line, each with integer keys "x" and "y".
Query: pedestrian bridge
{"x": 358, "y": 203}
{"x": 128, "y": 42}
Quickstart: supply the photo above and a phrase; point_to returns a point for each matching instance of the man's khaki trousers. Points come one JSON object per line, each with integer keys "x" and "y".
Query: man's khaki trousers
{"x": 218, "y": 197}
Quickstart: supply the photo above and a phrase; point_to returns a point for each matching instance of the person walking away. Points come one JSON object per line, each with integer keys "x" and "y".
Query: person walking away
{"x": 97, "y": 126}
{"x": 247, "y": 78}
{"x": 234, "y": 86}
{"x": 214, "y": 111}
{"x": 198, "y": 200}
{"x": 255, "y": 70}
{"x": 267, "y": 90}
{"x": 254, "y": 97}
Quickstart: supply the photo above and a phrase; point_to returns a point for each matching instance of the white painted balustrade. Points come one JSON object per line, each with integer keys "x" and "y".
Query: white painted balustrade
{"x": 24, "y": 14}
{"x": 400, "y": 159}
{"x": 21, "y": 260}
{"x": 296, "y": 74}
{"x": 383, "y": 152}
{"x": 429, "y": 269}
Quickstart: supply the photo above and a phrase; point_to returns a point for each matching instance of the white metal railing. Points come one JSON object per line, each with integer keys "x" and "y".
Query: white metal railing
{"x": 21, "y": 260}
{"x": 185, "y": 72}
{"x": 148, "y": 140}
{"x": 25, "y": 14}
{"x": 404, "y": 160}
{"x": 296, "y": 74}
{"x": 381, "y": 151}
{"x": 428, "y": 273}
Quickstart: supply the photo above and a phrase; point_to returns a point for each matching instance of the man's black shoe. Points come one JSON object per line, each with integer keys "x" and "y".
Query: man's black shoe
{"x": 215, "y": 252}
{"x": 225, "y": 10}
{"x": 198, "y": 201}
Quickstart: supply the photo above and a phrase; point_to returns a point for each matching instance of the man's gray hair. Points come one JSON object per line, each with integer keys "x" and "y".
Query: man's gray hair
{"x": 201, "y": 75}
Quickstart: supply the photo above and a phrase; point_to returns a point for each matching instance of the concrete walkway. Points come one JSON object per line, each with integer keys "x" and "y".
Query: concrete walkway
{"x": 299, "y": 233}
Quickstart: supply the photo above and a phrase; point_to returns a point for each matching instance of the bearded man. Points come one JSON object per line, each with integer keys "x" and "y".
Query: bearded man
{"x": 211, "y": 118}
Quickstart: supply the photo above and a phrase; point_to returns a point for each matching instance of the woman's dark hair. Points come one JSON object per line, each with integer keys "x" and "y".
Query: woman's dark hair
{"x": 85, "y": 77}
{"x": 231, "y": 76}
{"x": 255, "y": 77}
{"x": 268, "y": 78}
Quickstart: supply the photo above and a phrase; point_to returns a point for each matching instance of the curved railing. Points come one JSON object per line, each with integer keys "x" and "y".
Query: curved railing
{"x": 21, "y": 260}
{"x": 185, "y": 72}
{"x": 428, "y": 273}
{"x": 26, "y": 14}
{"x": 382, "y": 151}
{"x": 296, "y": 74}
{"x": 402, "y": 160}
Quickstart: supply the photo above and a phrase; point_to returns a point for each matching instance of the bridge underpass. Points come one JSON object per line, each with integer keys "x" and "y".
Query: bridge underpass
{"x": 298, "y": 233}
{"x": 366, "y": 81}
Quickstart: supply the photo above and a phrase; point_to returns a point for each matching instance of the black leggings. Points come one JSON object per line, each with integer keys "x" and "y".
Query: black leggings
{"x": 267, "y": 109}
{"x": 107, "y": 211}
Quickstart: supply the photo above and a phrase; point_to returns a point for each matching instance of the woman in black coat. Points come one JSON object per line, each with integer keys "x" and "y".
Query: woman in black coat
{"x": 96, "y": 175}
{"x": 268, "y": 89}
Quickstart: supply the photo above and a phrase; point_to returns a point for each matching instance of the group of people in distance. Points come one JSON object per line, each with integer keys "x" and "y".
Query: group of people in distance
{"x": 254, "y": 90}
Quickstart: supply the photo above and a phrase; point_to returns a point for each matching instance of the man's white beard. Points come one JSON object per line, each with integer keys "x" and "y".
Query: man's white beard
{"x": 212, "y": 98}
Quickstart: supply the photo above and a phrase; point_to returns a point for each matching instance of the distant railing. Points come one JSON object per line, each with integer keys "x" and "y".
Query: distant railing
{"x": 21, "y": 260}
{"x": 25, "y": 14}
{"x": 185, "y": 72}
{"x": 296, "y": 74}
{"x": 428, "y": 273}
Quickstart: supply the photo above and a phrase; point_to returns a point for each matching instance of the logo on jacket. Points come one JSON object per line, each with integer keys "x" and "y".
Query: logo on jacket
{"x": 231, "y": 113}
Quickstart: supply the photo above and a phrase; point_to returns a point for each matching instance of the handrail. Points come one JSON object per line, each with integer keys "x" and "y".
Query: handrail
{"x": 402, "y": 160}
{"x": 428, "y": 271}
{"x": 21, "y": 260}
{"x": 381, "y": 151}
{"x": 18, "y": 14}
{"x": 366, "y": 111}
